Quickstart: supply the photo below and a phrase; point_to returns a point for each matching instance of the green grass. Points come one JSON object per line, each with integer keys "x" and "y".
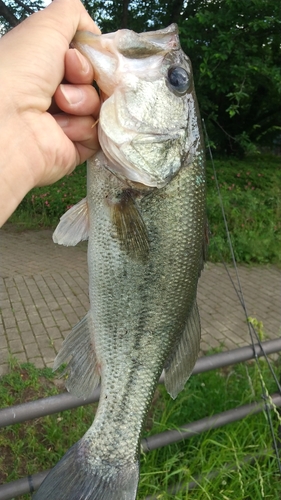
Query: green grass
{"x": 251, "y": 193}
{"x": 37, "y": 445}
{"x": 43, "y": 207}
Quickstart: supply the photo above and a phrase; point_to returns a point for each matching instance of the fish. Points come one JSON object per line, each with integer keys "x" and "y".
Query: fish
{"x": 145, "y": 220}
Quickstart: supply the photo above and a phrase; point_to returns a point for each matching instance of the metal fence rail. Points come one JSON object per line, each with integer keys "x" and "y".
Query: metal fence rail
{"x": 54, "y": 404}
{"x": 31, "y": 483}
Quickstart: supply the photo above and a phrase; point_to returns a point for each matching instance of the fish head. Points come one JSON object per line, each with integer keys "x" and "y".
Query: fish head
{"x": 148, "y": 122}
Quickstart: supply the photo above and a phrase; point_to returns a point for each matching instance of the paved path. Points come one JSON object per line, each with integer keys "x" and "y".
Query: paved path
{"x": 44, "y": 293}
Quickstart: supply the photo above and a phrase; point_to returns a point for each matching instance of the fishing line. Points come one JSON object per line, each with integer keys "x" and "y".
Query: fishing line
{"x": 238, "y": 289}
{"x": 251, "y": 328}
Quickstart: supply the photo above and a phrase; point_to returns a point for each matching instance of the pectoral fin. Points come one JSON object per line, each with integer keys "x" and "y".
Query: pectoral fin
{"x": 130, "y": 227}
{"x": 180, "y": 365}
{"x": 78, "y": 351}
{"x": 73, "y": 226}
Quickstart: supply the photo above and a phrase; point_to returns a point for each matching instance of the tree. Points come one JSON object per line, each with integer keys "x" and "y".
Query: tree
{"x": 111, "y": 15}
{"x": 235, "y": 49}
{"x": 12, "y": 12}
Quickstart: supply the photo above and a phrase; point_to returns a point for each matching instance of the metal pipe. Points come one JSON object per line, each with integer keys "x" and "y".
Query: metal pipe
{"x": 42, "y": 407}
{"x": 65, "y": 401}
{"x": 22, "y": 486}
{"x": 205, "y": 424}
{"x": 19, "y": 487}
{"x": 235, "y": 356}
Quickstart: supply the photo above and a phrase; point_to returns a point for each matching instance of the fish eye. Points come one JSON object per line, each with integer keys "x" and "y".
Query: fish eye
{"x": 178, "y": 80}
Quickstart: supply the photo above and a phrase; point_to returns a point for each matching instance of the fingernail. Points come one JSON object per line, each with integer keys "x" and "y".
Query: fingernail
{"x": 84, "y": 63}
{"x": 72, "y": 94}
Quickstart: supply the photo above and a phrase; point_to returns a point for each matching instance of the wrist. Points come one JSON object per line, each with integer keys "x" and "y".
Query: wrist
{"x": 16, "y": 175}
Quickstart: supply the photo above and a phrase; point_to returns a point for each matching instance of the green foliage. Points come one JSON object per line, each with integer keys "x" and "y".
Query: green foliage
{"x": 235, "y": 49}
{"x": 12, "y": 12}
{"x": 44, "y": 206}
{"x": 258, "y": 326}
{"x": 37, "y": 445}
{"x": 251, "y": 194}
{"x": 213, "y": 452}
{"x": 33, "y": 446}
{"x": 111, "y": 15}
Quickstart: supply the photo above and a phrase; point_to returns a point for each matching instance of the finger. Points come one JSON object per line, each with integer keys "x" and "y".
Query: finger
{"x": 74, "y": 15}
{"x": 39, "y": 47}
{"x": 84, "y": 153}
{"x": 76, "y": 142}
{"x": 80, "y": 130}
{"x": 77, "y": 68}
{"x": 78, "y": 99}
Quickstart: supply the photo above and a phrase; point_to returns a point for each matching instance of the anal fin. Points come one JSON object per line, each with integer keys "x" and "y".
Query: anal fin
{"x": 181, "y": 363}
{"x": 82, "y": 367}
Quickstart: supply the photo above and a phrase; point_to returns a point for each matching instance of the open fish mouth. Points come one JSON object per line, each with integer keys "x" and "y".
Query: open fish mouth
{"x": 143, "y": 119}
{"x": 107, "y": 53}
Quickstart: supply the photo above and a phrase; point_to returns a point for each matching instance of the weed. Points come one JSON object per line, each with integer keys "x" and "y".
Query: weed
{"x": 258, "y": 326}
{"x": 251, "y": 193}
{"x": 217, "y": 460}
{"x": 42, "y": 207}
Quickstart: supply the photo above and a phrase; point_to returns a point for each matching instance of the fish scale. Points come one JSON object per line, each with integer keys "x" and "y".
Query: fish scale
{"x": 145, "y": 254}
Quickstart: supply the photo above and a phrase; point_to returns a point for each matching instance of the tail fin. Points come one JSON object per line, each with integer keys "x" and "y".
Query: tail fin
{"x": 80, "y": 477}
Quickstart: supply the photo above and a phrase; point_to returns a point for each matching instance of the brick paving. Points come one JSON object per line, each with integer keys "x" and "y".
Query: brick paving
{"x": 44, "y": 293}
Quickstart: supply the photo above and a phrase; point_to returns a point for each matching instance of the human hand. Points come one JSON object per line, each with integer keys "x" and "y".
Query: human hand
{"x": 38, "y": 147}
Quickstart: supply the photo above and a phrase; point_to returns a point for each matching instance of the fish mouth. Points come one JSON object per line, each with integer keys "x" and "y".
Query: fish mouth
{"x": 107, "y": 52}
{"x": 123, "y": 63}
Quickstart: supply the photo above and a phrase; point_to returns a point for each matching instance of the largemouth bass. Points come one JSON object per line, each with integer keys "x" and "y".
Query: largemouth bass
{"x": 144, "y": 216}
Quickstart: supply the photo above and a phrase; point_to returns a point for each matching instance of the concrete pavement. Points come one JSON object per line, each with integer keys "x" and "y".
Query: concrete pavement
{"x": 44, "y": 293}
